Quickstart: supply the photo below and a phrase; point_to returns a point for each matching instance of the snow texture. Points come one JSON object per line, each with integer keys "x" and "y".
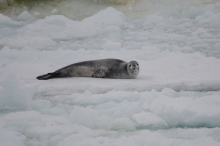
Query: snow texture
{"x": 25, "y": 16}
{"x": 107, "y": 16}
{"x": 174, "y": 100}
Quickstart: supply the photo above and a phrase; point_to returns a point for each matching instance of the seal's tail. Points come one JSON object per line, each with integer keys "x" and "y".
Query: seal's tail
{"x": 48, "y": 76}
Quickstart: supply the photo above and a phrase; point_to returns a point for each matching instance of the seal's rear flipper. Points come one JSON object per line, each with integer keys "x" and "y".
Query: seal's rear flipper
{"x": 48, "y": 76}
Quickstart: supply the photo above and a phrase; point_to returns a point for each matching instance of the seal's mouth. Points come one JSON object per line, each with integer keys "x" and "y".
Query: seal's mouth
{"x": 135, "y": 68}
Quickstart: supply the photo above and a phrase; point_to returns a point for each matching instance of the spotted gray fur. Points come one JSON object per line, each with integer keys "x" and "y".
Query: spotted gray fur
{"x": 104, "y": 68}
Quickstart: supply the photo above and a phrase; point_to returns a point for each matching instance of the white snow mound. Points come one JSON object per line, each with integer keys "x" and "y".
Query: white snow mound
{"x": 107, "y": 16}
{"x": 25, "y": 16}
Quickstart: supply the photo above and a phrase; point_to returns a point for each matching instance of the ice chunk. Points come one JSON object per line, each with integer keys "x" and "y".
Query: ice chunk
{"x": 60, "y": 27}
{"x": 37, "y": 14}
{"x": 54, "y": 11}
{"x": 149, "y": 120}
{"x": 185, "y": 111}
{"x": 169, "y": 92}
{"x": 123, "y": 123}
{"x": 5, "y": 21}
{"x": 25, "y": 16}
{"x": 107, "y": 16}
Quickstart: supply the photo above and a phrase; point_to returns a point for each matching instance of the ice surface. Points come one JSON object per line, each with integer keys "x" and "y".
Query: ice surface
{"x": 174, "y": 101}
{"x": 13, "y": 96}
{"x": 36, "y": 14}
{"x": 7, "y": 135}
{"x": 54, "y": 11}
{"x": 108, "y": 16}
{"x": 25, "y": 16}
{"x": 148, "y": 120}
{"x": 6, "y": 21}
{"x": 43, "y": 33}
{"x": 197, "y": 34}
{"x": 75, "y": 9}
{"x": 110, "y": 45}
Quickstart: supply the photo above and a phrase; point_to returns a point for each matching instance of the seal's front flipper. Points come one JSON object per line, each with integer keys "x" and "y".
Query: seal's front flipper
{"x": 48, "y": 76}
{"x": 100, "y": 73}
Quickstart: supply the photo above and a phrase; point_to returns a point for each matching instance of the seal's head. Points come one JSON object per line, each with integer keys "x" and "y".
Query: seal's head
{"x": 133, "y": 69}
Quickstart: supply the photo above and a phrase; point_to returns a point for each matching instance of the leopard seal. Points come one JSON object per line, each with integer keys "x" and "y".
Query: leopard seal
{"x": 104, "y": 68}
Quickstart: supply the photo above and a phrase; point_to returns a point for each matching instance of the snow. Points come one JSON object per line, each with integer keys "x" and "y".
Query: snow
{"x": 54, "y": 11}
{"x": 107, "y": 16}
{"x": 149, "y": 120}
{"x": 36, "y": 14}
{"x": 174, "y": 100}
{"x": 25, "y": 16}
{"x": 5, "y": 21}
{"x": 111, "y": 45}
{"x": 6, "y": 135}
{"x": 11, "y": 94}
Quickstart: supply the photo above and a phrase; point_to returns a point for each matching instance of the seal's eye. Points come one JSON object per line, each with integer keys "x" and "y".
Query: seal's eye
{"x": 130, "y": 65}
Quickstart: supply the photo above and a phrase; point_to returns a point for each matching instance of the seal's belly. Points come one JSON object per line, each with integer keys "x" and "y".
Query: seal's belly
{"x": 83, "y": 71}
